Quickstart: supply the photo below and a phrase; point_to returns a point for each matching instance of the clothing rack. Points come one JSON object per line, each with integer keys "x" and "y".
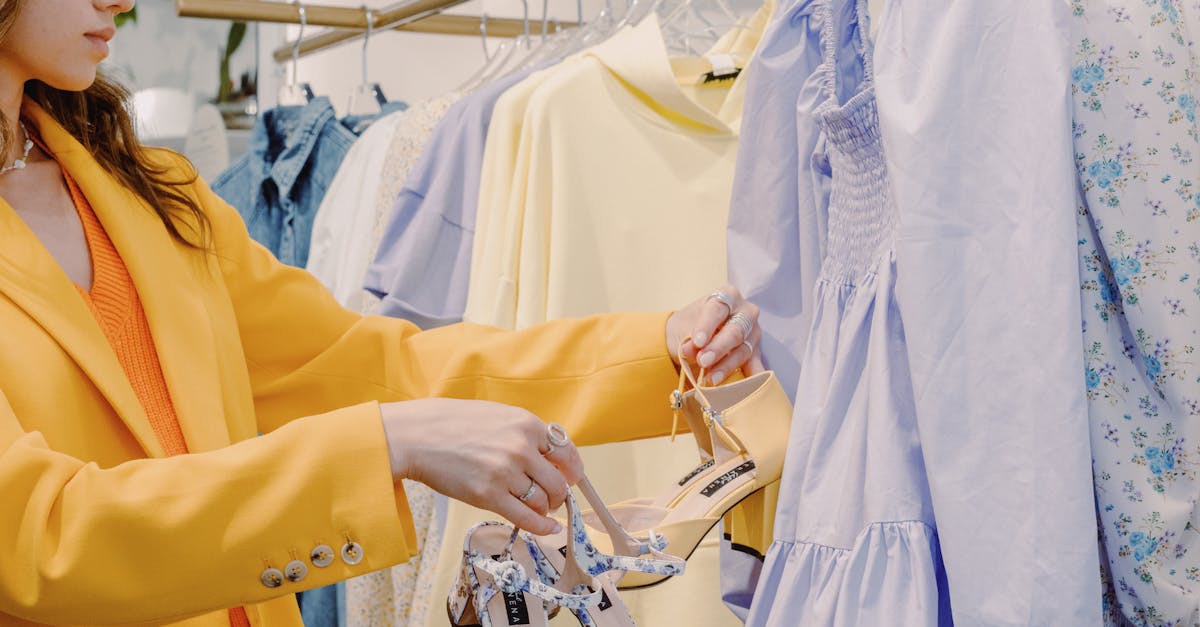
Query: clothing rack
{"x": 421, "y": 16}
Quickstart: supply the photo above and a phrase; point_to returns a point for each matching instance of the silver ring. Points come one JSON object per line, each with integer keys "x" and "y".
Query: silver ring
{"x": 743, "y": 323}
{"x": 750, "y": 346}
{"x": 557, "y": 435}
{"x": 724, "y": 298}
{"x": 529, "y": 492}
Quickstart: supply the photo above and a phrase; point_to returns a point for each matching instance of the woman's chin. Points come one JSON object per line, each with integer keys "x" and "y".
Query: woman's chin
{"x": 75, "y": 81}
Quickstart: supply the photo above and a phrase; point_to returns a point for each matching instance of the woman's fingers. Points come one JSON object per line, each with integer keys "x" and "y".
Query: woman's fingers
{"x": 533, "y": 496}
{"x": 521, "y": 515}
{"x": 741, "y": 355}
{"x": 716, "y": 309}
{"x": 567, "y": 461}
{"x": 740, "y": 327}
{"x": 756, "y": 364}
{"x": 486, "y": 454}
{"x": 551, "y": 486}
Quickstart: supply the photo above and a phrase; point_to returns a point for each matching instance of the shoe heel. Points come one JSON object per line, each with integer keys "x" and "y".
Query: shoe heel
{"x": 459, "y": 607}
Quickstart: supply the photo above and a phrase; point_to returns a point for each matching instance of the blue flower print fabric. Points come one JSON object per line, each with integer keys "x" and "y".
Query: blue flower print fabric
{"x": 1134, "y": 83}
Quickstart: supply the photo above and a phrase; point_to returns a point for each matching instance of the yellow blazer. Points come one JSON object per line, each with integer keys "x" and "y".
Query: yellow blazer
{"x": 97, "y": 528}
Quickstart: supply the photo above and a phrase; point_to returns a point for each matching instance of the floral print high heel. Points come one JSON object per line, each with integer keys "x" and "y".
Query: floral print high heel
{"x": 494, "y": 580}
{"x": 494, "y": 587}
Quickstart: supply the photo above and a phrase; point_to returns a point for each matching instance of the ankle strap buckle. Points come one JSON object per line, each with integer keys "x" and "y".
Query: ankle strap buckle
{"x": 676, "y": 400}
{"x": 651, "y": 542}
{"x": 712, "y": 416}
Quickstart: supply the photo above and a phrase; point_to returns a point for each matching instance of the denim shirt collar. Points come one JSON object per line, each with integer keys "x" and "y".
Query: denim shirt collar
{"x": 285, "y": 138}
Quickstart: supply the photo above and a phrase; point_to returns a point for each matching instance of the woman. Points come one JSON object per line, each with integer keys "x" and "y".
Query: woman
{"x": 148, "y": 341}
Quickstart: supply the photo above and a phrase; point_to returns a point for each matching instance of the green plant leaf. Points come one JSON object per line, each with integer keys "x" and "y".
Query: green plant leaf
{"x": 237, "y": 32}
{"x": 129, "y": 16}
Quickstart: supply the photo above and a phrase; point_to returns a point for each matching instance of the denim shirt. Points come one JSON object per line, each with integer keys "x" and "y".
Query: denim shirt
{"x": 278, "y": 185}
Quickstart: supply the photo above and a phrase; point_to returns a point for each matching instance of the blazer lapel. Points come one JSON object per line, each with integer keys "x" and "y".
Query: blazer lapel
{"x": 165, "y": 278}
{"x": 33, "y": 280}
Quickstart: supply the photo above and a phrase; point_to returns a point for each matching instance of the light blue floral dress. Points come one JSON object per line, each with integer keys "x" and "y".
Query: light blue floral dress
{"x": 1134, "y": 82}
{"x": 855, "y": 536}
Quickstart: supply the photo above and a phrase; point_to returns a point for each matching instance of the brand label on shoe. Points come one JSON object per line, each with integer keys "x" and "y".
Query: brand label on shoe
{"x": 605, "y": 603}
{"x": 697, "y": 470}
{"x": 515, "y": 608}
{"x": 727, "y": 478}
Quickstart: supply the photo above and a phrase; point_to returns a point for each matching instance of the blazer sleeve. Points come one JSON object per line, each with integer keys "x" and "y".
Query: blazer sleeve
{"x": 605, "y": 378}
{"x": 158, "y": 540}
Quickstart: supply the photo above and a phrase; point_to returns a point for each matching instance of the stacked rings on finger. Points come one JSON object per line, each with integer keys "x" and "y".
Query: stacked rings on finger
{"x": 556, "y": 436}
{"x": 749, "y": 346}
{"x": 723, "y": 298}
{"x": 529, "y": 492}
{"x": 743, "y": 323}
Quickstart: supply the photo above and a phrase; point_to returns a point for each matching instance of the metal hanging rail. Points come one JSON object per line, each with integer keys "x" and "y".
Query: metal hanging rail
{"x": 422, "y": 16}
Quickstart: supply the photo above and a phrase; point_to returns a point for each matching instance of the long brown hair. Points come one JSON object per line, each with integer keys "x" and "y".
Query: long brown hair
{"x": 99, "y": 117}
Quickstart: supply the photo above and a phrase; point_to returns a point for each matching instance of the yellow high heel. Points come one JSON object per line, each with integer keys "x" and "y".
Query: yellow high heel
{"x": 741, "y": 431}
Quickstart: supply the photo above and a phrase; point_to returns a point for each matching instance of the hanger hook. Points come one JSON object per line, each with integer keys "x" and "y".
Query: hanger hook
{"x": 545, "y": 17}
{"x": 487, "y": 56}
{"x": 370, "y": 18}
{"x": 579, "y": 13}
{"x": 299, "y": 39}
{"x": 525, "y": 20}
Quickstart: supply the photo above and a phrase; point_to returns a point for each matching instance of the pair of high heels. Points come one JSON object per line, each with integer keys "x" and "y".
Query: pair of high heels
{"x": 741, "y": 431}
{"x": 507, "y": 579}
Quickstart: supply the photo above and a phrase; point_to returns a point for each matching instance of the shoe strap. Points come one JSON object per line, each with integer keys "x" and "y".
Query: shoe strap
{"x": 509, "y": 576}
{"x": 595, "y": 563}
{"x": 678, "y": 395}
{"x": 712, "y": 417}
{"x": 623, "y": 543}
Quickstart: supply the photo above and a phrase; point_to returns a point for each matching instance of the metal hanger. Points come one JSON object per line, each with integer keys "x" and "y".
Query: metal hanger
{"x": 492, "y": 62}
{"x": 367, "y": 98}
{"x": 296, "y": 93}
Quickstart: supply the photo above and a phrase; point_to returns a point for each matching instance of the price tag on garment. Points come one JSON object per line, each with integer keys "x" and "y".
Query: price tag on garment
{"x": 722, "y": 65}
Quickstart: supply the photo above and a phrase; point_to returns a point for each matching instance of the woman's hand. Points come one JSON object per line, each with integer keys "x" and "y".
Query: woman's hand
{"x": 485, "y": 454}
{"x": 723, "y": 331}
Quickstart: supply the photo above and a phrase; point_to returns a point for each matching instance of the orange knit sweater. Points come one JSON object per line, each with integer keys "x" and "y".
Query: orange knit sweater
{"x": 114, "y": 302}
